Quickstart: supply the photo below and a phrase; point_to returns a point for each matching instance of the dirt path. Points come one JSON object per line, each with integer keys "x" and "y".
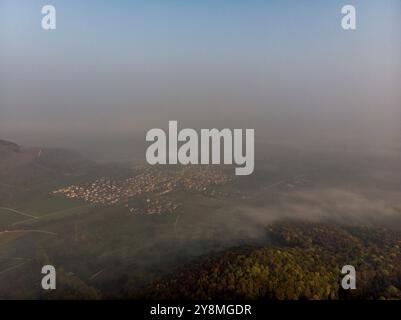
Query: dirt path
{"x": 29, "y": 231}
{"x": 19, "y": 212}
{"x": 13, "y": 267}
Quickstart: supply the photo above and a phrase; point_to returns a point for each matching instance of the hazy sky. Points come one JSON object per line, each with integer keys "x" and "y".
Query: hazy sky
{"x": 114, "y": 69}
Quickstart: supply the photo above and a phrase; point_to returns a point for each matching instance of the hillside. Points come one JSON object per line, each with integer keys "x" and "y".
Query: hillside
{"x": 23, "y": 169}
{"x": 303, "y": 262}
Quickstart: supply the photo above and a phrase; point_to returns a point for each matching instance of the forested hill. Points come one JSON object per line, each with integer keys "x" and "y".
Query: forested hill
{"x": 304, "y": 262}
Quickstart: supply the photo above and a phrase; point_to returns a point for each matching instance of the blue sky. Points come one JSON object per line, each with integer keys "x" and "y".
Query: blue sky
{"x": 130, "y": 65}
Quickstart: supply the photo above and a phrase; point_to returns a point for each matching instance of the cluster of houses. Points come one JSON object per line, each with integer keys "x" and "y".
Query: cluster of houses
{"x": 151, "y": 184}
{"x": 156, "y": 205}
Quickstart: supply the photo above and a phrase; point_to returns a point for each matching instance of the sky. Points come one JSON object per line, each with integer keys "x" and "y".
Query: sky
{"x": 114, "y": 69}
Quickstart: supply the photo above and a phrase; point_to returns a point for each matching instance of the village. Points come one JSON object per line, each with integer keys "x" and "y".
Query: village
{"x": 148, "y": 192}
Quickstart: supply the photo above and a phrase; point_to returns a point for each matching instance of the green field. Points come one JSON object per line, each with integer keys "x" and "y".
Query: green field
{"x": 8, "y": 218}
{"x": 44, "y": 207}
